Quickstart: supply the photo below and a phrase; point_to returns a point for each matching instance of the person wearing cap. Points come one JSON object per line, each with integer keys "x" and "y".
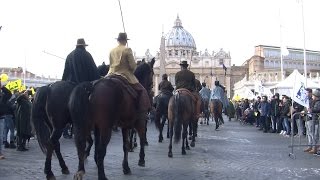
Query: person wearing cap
{"x": 79, "y": 65}
{"x": 122, "y": 63}
{"x": 313, "y": 124}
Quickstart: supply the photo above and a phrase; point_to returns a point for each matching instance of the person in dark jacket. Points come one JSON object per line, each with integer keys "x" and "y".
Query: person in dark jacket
{"x": 185, "y": 78}
{"x": 165, "y": 86}
{"x": 5, "y": 95}
{"x": 264, "y": 109}
{"x": 286, "y": 114}
{"x": 23, "y": 125}
{"x": 79, "y": 65}
{"x": 275, "y": 114}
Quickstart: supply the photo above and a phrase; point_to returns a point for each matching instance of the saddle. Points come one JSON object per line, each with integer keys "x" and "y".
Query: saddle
{"x": 123, "y": 82}
{"x": 185, "y": 91}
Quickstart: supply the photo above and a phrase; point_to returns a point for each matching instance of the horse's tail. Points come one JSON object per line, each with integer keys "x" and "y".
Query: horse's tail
{"x": 177, "y": 119}
{"x": 79, "y": 108}
{"x": 39, "y": 117}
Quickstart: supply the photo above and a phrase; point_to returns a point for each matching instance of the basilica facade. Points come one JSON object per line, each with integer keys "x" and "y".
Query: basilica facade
{"x": 179, "y": 45}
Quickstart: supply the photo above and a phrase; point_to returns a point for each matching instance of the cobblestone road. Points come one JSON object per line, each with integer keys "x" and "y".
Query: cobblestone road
{"x": 234, "y": 152}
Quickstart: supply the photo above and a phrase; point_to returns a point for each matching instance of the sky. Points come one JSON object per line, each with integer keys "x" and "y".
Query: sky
{"x": 31, "y": 28}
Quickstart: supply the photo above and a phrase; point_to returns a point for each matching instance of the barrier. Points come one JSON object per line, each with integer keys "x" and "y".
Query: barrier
{"x": 292, "y": 145}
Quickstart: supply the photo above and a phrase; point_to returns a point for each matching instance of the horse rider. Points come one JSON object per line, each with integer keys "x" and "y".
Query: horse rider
{"x": 205, "y": 92}
{"x": 219, "y": 93}
{"x": 186, "y": 79}
{"x": 165, "y": 86}
{"x": 79, "y": 67}
{"x": 122, "y": 63}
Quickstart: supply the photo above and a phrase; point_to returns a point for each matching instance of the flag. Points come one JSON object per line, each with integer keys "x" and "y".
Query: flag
{"x": 284, "y": 51}
{"x": 225, "y": 69}
{"x": 300, "y": 94}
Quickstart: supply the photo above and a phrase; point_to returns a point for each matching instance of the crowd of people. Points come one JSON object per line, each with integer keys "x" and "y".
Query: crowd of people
{"x": 15, "y": 126}
{"x": 277, "y": 115}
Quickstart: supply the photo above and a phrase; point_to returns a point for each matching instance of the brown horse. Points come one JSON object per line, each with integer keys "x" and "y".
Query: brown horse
{"x": 216, "y": 110}
{"x": 180, "y": 114}
{"x": 102, "y": 105}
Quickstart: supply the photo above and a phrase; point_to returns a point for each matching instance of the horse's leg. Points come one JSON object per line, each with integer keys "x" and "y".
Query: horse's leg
{"x": 170, "y": 125}
{"x": 131, "y": 141}
{"x": 90, "y": 143}
{"x": 168, "y": 134}
{"x": 47, "y": 166}
{"x": 194, "y": 134}
{"x": 125, "y": 166}
{"x": 102, "y": 148}
{"x": 184, "y": 139}
{"x": 163, "y": 120}
{"x": 145, "y": 132}
{"x": 96, "y": 144}
{"x": 190, "y": 130}
{"x": 135, "y": 144}
{"x": 56, "y": 134}
{"x": 142, "y": 135}
{"x": 216, "y": 119}
{"x": 80, "y": 141}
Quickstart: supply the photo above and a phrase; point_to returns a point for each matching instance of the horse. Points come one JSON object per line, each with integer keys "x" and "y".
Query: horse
{"x": 216, "y": 110}
{"x": 50, "y": 115}
{"x": 162, "y": 102}
{"x": 101, "y": 105}
{"x": 205, "y": 110}
{"x": 180, "y": 114}
{"x": 144, "y": 74}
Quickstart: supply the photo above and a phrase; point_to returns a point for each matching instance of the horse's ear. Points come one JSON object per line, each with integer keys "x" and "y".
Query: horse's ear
{"x": 152, "y": 62}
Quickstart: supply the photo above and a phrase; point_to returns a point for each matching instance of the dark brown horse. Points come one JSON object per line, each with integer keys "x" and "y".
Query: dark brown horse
{"x": 180, "y": 114}
{"x": 50, "y": 115}
{"x": 216, "y": 110}
{"x": 205, "y": 110}
{"x": 100, "y": 106}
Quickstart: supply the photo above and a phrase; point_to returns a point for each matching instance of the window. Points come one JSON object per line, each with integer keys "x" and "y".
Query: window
{"x": 220, "y": 61}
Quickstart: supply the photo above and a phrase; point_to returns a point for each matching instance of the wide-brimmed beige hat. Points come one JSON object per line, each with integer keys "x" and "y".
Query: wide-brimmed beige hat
{"x": 81, "y": 42}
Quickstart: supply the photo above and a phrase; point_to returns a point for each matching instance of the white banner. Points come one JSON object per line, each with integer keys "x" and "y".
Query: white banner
{"x": 299, "y": 93}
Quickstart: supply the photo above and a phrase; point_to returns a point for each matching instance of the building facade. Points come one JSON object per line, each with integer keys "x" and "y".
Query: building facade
{"x": 265, "y": 64}
{"x": 179, "y": 45}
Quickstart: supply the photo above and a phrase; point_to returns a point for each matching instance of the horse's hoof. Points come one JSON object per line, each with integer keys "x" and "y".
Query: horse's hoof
{"x": 135, "y": 144}
{"x": 51, "y": 177}
{"x": 183, "y": 152}
{"x": 131, "y": 150}
{"x": 160, "y": 140}
{"x": 187, "y": 148}
{"x": 65, "y": 171}
{"x": 170, "y": 154}
{"x": 141, "y": 163}
{"x": 168, "y": 136}
{"x": 192, "y": 144}
{"x": 78, "y": 175}
{"x": 126, "y": 171}
{"x": 146, "y": 143}
{"x": 190, "y": 137}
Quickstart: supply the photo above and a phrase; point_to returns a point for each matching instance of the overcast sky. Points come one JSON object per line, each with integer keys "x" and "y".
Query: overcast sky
{"x": 33, "y": 26}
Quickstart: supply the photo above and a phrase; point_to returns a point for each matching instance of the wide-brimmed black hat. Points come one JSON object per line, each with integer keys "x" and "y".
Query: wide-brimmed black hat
{"x": 122, "y": 36}
{"x": 81, "y": 42}
{"x": 184, "y": 63}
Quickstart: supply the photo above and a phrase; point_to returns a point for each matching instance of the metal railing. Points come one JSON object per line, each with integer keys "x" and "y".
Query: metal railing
{"x": 305, "y": 119}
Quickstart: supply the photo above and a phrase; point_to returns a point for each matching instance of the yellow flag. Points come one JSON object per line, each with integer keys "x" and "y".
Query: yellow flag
{"x": 14, "y": 85}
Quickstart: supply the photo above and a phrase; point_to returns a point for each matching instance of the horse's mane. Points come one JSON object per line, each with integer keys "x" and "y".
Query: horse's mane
{"x": 142, "y": 70}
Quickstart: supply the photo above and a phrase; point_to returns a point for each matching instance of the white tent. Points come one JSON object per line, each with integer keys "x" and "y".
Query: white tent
{"x": 285, "y": 87}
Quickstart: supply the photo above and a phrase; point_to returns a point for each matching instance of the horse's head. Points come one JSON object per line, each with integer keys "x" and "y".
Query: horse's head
{"x": 144, "y": 74}
{"x": 103, "y": 69}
